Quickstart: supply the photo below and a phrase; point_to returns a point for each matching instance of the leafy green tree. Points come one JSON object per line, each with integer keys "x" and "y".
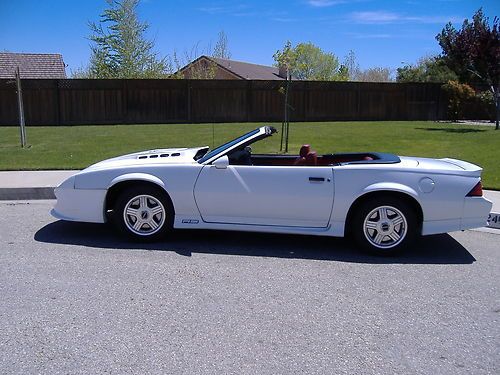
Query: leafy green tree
{"x": 473, "y": 52}
{"x": 120, "y": 48}
{"x": 306, "y": 61}
{"x": 427, "y": 69}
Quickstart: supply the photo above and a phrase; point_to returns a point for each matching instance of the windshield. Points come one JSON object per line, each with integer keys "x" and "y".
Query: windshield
{"x": 227, "y": 145}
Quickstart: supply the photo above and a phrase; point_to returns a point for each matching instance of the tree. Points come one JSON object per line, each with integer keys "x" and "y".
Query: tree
{"x": 473, "y": 52}
{"x": 119, "y": 46}
{"x": 206, "y": 68}
{"x": 376, "y": 74}
{"x": 306, "y": 61}
{"x": 221, "y": 49}
{"x": 352, "y": 66}
{"x": 354, "y": 73}
{"x": 427, "y": 69}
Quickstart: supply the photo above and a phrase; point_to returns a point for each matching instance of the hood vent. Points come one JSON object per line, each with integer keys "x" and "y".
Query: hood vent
{"x": 154, "y": 156}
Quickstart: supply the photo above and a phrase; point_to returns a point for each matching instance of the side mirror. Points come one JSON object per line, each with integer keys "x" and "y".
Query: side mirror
{"x": 222, "y": 162}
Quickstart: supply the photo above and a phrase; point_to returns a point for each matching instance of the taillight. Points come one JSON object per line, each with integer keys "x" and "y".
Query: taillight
{"x": 477, "y": 191}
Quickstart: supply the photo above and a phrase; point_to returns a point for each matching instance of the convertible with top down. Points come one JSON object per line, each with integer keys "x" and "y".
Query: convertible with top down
{"x": 382, "y": 200}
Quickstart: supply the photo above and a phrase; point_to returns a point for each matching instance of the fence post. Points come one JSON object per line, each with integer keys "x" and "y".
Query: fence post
{"x": 188, "y": 96}
{"x": 58, "y": 102}
{"x": 358, "y": 107}
{"x": 21, "y": 108}
{"x": 124, "y": 110}
{"x": 249, "y": 101}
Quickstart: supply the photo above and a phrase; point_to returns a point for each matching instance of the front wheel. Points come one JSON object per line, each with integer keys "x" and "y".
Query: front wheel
{"x": 143, "y": 213}
{"x": 385, "y": 225}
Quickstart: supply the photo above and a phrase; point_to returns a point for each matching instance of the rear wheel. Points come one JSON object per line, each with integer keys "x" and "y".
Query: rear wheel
{"x": 143, "y": 213}
{"x": 385, "y": 225}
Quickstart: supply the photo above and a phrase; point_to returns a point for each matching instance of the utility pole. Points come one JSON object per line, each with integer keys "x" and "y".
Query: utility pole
{"x": 21, "y": 108}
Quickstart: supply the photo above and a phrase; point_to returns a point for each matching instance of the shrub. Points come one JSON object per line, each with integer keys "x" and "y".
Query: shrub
{"x": 458, "y": 94}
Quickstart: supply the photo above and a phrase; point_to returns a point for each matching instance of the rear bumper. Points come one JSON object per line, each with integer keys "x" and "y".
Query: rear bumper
{"x": 476, "y": 211}
{"x": 475, "y": 214}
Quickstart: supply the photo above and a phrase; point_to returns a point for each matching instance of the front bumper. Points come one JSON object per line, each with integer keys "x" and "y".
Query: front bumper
{"x": 79, "y": 204}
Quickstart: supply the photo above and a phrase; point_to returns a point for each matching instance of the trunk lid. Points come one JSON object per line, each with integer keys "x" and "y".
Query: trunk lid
{"x": 450, "y": 166}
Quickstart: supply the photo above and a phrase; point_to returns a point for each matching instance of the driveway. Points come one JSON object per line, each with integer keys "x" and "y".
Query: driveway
{"x": 77, "y": 299}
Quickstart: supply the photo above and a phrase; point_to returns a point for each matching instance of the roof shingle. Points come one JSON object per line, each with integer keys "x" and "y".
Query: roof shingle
{"x": 248, "y": 70}
{"x": 32, "y": 65}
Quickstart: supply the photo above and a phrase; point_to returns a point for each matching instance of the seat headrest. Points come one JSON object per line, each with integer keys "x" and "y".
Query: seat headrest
{"x": 312, "y": 158}
{"x": 304, "y": 150}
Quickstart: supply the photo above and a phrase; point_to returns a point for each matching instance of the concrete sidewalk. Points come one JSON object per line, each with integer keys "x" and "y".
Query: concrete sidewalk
{"x": 28, "y": 185}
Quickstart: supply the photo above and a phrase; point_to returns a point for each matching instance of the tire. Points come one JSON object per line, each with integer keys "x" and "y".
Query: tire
{"x": 143, "y": 213}
{"x": 384, "y": 226}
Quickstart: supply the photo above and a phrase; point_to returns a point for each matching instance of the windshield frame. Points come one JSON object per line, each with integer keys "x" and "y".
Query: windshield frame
{"x": 245, "y": 139}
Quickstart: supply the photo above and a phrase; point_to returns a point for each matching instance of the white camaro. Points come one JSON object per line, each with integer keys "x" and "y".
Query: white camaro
{"x": 384, "y": 201}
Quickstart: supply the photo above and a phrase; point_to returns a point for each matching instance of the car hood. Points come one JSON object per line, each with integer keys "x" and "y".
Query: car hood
{"x": 158, "y": 156}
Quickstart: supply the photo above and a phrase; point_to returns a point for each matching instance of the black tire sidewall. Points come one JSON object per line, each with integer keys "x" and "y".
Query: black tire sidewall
{"x": 357, "y": 225}
{"x": 132, "y": 192}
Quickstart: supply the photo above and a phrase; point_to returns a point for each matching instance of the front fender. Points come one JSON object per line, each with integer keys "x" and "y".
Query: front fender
{"x": 137, "y": 177}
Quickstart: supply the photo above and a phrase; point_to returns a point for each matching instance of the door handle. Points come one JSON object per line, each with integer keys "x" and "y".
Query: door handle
{"x": 317, "y": 179}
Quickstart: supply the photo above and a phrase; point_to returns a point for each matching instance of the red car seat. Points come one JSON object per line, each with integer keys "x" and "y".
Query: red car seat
{"x": 301, "y": 160}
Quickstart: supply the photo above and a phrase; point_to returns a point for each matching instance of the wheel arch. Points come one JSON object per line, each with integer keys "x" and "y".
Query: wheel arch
{"x": 408, "y": 195}
{"x": 123, "y": 182}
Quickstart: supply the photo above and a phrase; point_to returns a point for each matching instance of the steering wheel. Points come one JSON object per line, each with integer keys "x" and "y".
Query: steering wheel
{"x": 241, "y": 157}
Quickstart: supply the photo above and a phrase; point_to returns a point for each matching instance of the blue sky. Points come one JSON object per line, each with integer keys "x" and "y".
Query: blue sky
{"x": 382, "y": 33}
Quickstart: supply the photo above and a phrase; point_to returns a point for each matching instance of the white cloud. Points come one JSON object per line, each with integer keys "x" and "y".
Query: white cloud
{"x": 372, "y": 36}
{"x": 384, "y": 17}
{"x": 325, "y": 3}
{"x": 224, "y": 9}
{"x": 375, "y": 17}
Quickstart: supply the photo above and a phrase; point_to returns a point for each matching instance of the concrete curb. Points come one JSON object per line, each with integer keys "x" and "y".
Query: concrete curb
{"x": 31, "y": 185}
{"x": 25, "y": 193}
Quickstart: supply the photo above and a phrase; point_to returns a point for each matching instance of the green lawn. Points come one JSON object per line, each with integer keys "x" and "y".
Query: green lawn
{"x": 78, "y": 146}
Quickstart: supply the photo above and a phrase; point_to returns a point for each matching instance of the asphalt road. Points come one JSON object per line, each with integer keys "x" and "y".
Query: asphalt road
{"x": 74, "y": 299}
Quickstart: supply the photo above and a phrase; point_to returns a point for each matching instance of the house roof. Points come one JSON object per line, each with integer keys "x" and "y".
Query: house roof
{"x": 249, "y": 71}
{"x": 32, "y": 65}
{"x": 243, "y": 70}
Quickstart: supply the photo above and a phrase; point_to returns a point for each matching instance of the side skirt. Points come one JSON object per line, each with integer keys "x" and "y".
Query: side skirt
{"x": 185, "y": 222}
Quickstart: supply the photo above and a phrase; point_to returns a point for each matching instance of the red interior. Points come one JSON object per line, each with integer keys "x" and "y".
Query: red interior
{"x": 311, "y": 159}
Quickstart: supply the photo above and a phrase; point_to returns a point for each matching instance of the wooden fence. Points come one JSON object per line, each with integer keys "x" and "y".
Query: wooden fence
{"x": 75, "y": 101}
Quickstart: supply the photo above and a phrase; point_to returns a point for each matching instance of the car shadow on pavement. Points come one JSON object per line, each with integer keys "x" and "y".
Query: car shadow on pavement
{"x": 438, "y": 249}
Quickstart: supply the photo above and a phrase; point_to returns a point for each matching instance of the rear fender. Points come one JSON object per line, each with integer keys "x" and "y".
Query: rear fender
{"x": 390, "y": 186}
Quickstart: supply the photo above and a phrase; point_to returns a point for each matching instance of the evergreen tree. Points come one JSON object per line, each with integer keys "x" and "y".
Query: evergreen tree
{"x": 120, "y": 48}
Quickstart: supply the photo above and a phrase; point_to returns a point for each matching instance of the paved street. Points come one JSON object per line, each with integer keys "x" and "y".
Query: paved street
{"x": 77, "y": 299}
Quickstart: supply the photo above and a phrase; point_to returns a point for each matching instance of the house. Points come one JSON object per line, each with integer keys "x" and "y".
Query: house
{"x": 205, "y": 67}
{"x": 32, "y": 65}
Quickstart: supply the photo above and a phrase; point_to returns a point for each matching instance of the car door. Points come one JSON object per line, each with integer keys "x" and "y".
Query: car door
{"x": 265, "y": 195}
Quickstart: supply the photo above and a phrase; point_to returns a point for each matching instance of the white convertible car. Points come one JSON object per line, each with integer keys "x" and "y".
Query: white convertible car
{"x": 384, "y": 201}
